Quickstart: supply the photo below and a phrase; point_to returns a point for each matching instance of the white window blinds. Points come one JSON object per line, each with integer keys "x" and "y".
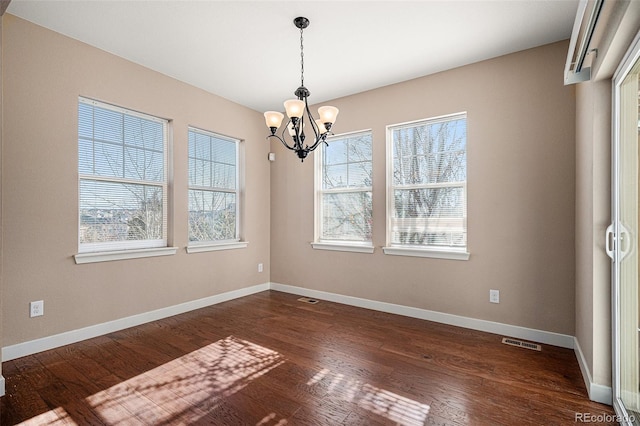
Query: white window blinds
{"x": 122, "y": 167}
{"x": 344, "y": 203}
{"x": 213, "y": 188}
{"x": 428, "y": 180}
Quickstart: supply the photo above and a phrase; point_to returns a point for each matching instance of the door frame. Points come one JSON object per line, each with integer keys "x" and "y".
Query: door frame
{"x": 615, "y": 230}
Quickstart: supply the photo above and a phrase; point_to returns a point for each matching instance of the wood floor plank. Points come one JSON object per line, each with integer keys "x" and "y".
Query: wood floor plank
{"x": 268, "y": 359}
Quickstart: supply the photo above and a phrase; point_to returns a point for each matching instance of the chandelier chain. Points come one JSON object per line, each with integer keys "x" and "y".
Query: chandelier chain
{"x": 301, "y": 59}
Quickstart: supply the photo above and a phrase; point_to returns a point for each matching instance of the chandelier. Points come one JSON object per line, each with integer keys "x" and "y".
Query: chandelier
{"x": 296, "y": 109}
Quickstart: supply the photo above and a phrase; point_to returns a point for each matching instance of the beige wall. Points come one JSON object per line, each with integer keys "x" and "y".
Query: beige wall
{"x": 43, "y": 74}
{"x": 593, "y": 207}
{"x": 521, "y": 194}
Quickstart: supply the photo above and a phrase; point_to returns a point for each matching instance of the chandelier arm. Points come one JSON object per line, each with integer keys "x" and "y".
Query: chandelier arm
{"x": 281, "y": 140}
{"x": 319, "y": 140}
{"x": 312, "y": 121}
{"x": 298, "y": 137}
{"x": 297, "y": 140}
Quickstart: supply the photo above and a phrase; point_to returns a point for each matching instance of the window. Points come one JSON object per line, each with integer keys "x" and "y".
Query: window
{"x": 427, "y": 181}
{"x": 343, "y": 193}
{"x": 122, "y": 167}
{"x": 213, "y": 190}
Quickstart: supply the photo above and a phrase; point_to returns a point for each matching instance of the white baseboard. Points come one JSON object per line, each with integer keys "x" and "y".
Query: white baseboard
{"x": 2, "y": 391}
{"x": 598, "y": 393}
{"x": 546, "y": 337}
{"x": 57, "y": 340}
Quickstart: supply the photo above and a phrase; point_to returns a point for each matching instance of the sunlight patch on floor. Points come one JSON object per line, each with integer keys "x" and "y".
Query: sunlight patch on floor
{"x": 57, "y": 416}
{"x": 319, "y": 376}
{"x": 393, "y": 406}
{"x": 397, "y": 408}
{"x": 268, "y": 419}
{"x": 187, "y": 387}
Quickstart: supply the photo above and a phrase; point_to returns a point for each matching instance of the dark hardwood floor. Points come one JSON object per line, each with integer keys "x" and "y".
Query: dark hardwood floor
{"x": 268, "y": 359}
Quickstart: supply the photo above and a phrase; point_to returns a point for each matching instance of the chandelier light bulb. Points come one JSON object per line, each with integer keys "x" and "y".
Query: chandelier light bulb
{"x": 321, "y": 127}
{"x": 328, "y": 114}
{"x": 273, "y": 119}
{"x": 294, "y": 108}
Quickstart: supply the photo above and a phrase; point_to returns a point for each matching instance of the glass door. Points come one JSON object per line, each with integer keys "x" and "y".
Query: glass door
{"x": 622, "y": 239}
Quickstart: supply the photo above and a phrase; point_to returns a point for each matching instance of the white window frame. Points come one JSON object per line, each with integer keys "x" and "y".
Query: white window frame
{"x": 335, "y": 245}
{"x": 439, "y": 252}
{"x": 229, "y": 244}
{"x": 119, "y": 250}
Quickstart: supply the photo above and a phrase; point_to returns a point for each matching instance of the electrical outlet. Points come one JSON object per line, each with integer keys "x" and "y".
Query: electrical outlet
{"x": 260, "y": 267}
{"x": 494, "y": 296}
{"x": 36, "y": 309}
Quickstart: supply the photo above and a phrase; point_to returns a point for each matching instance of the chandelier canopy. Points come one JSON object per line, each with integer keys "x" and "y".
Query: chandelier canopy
{"x": 296, "y": 110}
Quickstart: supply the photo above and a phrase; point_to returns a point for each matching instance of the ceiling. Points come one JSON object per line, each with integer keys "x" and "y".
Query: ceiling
{"x": 249, "y": 51}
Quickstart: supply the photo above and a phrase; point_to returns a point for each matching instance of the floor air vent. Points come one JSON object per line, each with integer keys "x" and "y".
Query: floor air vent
{"x": 308, "y": 300}
{"x": 521, "y": 344}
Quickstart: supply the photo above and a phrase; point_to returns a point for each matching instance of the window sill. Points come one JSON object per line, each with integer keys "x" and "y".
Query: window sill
{"x": 423, "y": 252}
{"x": 355, "y": 248}
{"x": 107, "y": 256}
{"x": 215, "y": 247}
